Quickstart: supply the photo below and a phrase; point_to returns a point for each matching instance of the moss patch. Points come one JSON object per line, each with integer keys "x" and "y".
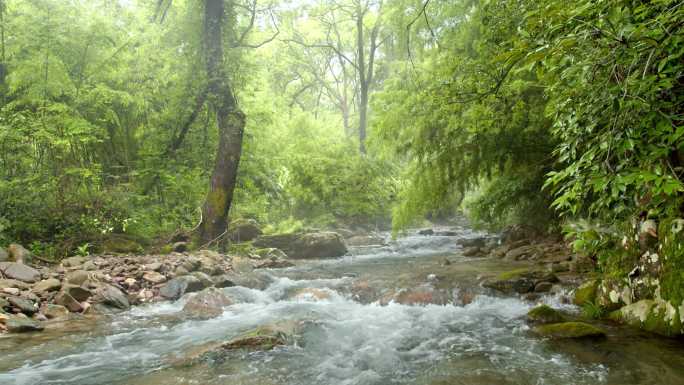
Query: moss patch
{"x": 569, "y": 330}
{"x": 517, "y": 273}
{"x": 586, "y": 293}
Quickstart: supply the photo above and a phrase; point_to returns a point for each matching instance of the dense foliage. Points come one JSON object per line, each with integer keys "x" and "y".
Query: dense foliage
{"x": 103, "y": 128}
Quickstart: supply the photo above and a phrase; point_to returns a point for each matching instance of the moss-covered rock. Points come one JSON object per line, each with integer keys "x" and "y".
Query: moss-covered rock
{"x": 586, "y": 293}
{"x": 654, "y": 316}
{"x": 569, "y": 330}
{"x": 545, "y": 314}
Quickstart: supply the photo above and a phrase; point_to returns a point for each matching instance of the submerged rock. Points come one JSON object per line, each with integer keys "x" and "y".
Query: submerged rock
{"x": 569, "y": 330}
{"x": 53, "y": 311}
{"x": 17, "y": 324}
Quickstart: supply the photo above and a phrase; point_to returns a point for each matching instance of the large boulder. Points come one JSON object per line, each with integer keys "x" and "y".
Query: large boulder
{"x": 20, "y": 272}
{"x": 655, "y": 316}
{"x": 243, "y": 230}
{"x": 307, "y": 245}
{"x": 208, "y": 303}
{"x": 176, "y": 287}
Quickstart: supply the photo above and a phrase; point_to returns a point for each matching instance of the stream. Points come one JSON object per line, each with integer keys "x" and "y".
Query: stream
{"x": 352, "y": 336}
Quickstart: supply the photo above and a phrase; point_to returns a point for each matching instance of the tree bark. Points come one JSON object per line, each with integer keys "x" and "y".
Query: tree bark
{"x": 363, "y": 82}
{"x": 231, "y": 123}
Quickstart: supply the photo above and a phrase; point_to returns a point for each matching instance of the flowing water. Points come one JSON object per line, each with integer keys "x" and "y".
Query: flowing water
{"x": 354, "y": 335}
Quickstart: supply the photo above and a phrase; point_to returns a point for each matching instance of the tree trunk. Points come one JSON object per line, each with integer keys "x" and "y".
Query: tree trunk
{"x": 363, "y": 100}
{"x": 231, "y": 124}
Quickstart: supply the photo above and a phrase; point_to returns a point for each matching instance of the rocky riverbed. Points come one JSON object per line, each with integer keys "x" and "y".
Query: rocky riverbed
{"x": 424, "y": 309}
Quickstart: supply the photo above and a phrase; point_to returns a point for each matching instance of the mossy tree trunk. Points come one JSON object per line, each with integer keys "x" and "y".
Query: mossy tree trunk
{"x": 230, "y": 121}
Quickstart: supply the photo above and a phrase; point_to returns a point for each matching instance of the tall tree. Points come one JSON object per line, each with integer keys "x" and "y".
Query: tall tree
{"x": 231, "y": 123}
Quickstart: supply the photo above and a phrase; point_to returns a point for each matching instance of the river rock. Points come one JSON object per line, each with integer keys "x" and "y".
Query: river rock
{"x": 47, "y": 285}
{"x": 545, "y": 314}
{"x": 543, "y": 287}
{"x": 223, "y": 280}
{"x": 13, "y": 283}
{"x": 111, "y": 296}
{"x": 426, "y": 232}
{"x": 306, "y": 245}
{"x": 273, "y": 263}
{"x": 154, "y": 278}
{"x": 243, "y": 230}
{"x": 64, "y": 299}
{"x": 11, "y": 290}
{"x": 208, "y": 303}
{"x": 473, "y": 252}
{"x": 472, "y": 242}
{"x": 16, "y": 324}
{"x": 366, "y": 240}
{"x": 78, "y": 293}
{"x": 19, "y": 254}
{"x": 270, "y": 253}
{"x": 74, "y": 261}
{"x": 53, "y": 311}
{"x": 154, "y": 266}
{"x": 24, "y": 305}
{"x": 77, "y": 277}
{"x": 21, "y": 272}
{"x": 519, "y": 281}
{"x": 176, "y": 287}
{"x": 569, "y": 330}
{"x": 180, "y": 247}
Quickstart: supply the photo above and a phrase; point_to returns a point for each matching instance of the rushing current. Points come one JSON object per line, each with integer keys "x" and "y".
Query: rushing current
{"x": 350, "y": 337}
